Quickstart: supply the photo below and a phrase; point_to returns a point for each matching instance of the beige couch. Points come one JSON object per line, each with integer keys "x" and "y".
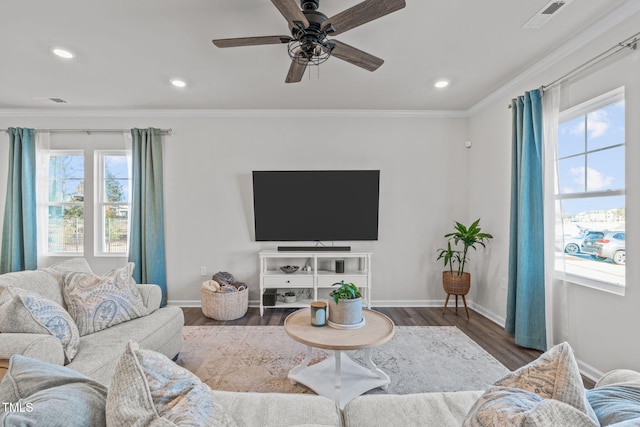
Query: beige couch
{"x": 98, "y": 353}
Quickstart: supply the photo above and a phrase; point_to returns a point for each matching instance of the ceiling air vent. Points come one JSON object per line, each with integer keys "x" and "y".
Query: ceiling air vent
{"x": 547, "y": 12}
{"x": 50, "y": 99}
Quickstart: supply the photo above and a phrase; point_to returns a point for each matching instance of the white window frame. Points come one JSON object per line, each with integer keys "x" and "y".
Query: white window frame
{"x": 100, "y": 203}
{"x": 583, "y": 109}
{"x": 46, "y": 203}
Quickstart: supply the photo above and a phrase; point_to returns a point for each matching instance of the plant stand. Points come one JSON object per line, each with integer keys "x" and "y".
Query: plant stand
{"x": 458, "y": 286}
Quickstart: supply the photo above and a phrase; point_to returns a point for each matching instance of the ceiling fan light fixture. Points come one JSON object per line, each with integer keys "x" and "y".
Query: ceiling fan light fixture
{"x": 309, "y": 51}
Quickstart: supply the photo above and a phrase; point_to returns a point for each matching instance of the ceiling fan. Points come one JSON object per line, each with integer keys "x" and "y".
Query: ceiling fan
{"x": 309, "y": 43}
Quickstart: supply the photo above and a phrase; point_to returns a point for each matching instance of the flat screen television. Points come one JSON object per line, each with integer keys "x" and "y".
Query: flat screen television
{"x": 316, "y": 205}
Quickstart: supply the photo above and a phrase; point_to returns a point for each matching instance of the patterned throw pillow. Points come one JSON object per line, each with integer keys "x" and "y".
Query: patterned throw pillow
{"x": 22, "y": 311}
{"x": 97, "y": 303}
{"x": 36, "y": 393}
{"x": 549, "y": 388}
{"x": 149, "y": 389}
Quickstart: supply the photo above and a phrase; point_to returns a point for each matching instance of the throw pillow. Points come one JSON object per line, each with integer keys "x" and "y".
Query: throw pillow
{"x": 615, "y": 403}
{"x": 149, "y": 389}
{"x": 97, "y": 303}
{"x": 553, "y": 376}
{"x": 22, "y": 311}
{"x": 36, "y": 393}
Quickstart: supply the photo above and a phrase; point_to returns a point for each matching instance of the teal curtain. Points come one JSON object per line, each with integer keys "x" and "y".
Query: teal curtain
{"x": 146, "y": 242}
{"x": 526, "y": 289}
{"x": 19, "y": 234}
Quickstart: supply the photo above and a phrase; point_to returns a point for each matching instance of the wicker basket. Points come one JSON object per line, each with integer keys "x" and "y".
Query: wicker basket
{"x": 224, "y": 305}
{"x": 454, "y": 284}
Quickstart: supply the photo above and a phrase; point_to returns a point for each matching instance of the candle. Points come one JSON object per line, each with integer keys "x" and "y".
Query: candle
{"x": 318, "y": 313}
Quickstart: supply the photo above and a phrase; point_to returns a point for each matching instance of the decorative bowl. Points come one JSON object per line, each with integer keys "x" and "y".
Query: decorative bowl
{"x": 289, "y": 268}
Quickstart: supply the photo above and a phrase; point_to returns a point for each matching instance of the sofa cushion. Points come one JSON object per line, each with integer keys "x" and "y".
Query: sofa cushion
{"x": 541, "y": 386}
{"x": 148, "y": 388}
{"x": 97, "y": 303}
{"x": 29, "y": 312}
{"x": 37, "y": 281}
{"x": 37, "y": 393}
{"x": 510, "y": 406}
{"x": 615, "y": 403}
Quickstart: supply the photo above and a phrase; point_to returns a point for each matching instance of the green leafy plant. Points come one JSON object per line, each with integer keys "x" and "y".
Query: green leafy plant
{"x": 290, "y": 294}
{"x": 468, "y": 237}
{"x": 345, "y": 291}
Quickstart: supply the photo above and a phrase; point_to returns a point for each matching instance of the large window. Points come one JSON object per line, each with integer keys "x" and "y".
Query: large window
{"x": 591, "y": 190}
{"x": 113, "y": 202}
{"x": 65, "y": 203}
{"x": 71, "y": 210}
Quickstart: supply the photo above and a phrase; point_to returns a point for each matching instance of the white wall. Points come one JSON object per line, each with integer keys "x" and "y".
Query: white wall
{"x": 601, "y": 326}
{"x": 209, "y": 212}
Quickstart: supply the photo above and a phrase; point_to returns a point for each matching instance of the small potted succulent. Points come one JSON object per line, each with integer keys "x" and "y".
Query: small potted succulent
{"x": 345, "y": 306}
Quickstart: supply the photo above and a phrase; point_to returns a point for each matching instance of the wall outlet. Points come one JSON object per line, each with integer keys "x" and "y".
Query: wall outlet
{"x": 203, "y": 271}
{"x": 503, "y": 283}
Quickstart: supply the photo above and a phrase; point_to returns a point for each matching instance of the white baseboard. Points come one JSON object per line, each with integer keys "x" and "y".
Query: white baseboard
{"x": 185, "y": 303}
{"x": 589, "y": 371}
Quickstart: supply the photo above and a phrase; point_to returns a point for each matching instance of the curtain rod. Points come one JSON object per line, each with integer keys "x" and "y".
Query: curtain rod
{"x": 89, "y": 131}
{"x": 628, "y": 43}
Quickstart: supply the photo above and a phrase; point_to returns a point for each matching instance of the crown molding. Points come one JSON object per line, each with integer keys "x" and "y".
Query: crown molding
{"x": 610, "y": 21}
{"x": 213, "y": 113}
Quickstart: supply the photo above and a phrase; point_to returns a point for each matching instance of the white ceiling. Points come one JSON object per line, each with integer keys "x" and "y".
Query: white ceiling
{"x": 129, "y": 50}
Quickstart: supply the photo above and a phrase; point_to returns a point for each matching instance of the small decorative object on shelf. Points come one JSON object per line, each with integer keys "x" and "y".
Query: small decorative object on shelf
{"x": 318, "y": 313}
{"x": 345, "y": 307}
{"x": 289, "y": 268}
{"x": 289, "y": 296}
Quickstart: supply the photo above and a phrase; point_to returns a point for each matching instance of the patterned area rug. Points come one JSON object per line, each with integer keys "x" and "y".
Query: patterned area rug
{"x": 258, "y": 358}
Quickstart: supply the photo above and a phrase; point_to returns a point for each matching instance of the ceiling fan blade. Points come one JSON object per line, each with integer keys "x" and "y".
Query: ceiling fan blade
{"x": 355, "y": 56}
{"x": 296, "y": 71}
{"x": 251, "y": 41}
{"x": 291, "y": 12}
{"x": 362, "y": 13}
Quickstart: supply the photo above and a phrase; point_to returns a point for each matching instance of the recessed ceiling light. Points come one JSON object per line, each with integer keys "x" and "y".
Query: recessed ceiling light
{"x": 441, "y": 83}
{"x": 178, "y": 83}
{"x": 62, "y": 53}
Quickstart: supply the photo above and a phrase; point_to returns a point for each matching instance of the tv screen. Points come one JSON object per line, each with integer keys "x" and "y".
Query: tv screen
{"x": 316, "y": 205}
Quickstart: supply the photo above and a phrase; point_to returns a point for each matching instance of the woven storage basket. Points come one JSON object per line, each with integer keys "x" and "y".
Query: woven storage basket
{"x": 224, "y": 305}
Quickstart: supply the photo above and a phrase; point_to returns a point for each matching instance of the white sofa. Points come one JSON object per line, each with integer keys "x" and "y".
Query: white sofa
{"x": 98, "y": 353}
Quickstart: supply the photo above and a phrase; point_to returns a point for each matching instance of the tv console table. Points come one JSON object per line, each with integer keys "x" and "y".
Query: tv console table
{"x": 316, "y": 280}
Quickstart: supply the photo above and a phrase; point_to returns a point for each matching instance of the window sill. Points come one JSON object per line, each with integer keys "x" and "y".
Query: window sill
{"x": 612, "y": 288}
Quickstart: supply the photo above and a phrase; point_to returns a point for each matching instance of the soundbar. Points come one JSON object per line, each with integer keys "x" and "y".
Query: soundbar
{"x": 314, "y": 248}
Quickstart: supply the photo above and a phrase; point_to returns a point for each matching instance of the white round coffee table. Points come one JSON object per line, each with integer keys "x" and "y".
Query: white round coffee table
{"x": 339, "y": 377}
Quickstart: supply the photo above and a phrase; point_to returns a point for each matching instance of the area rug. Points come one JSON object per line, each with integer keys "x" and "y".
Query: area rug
{"x": 258, "y": 358}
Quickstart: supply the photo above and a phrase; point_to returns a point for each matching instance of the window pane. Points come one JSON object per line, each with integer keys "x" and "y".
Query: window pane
{"x": 605, "y": 169}
{"x": 571, "y": 175}
{"x": 66, "y": 229}
{"x": 605, "y": 126}
{"x": 571, "y": 139}
{"x": 588, "y": 225}
{"x": 116, "y": 228}
{"x": 66, "y": 178}
{"x": 116, "y": 179}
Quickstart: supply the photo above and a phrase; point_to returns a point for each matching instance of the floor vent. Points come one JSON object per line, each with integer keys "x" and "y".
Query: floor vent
{"x": 547, "y": 12}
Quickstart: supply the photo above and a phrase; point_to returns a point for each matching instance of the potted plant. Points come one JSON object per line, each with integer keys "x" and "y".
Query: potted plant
{"x": 345, "y": 306}
{"x": 455, "y": 280}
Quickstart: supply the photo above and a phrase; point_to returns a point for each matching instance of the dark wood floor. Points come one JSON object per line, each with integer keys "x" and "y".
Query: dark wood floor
{"x": 483, "y": 331}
